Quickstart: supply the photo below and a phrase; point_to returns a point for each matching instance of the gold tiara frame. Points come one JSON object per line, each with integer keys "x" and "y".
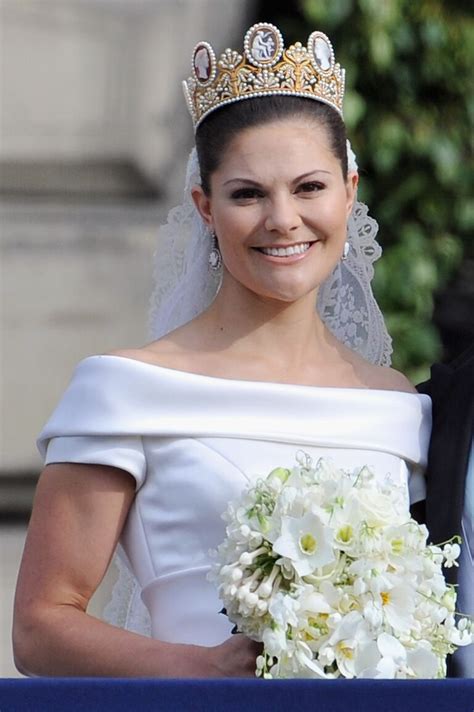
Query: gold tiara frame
{"x": 264, "y": 68}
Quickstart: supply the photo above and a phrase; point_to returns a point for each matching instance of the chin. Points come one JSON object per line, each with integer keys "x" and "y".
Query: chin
{"x": 293, "y": 290}
{"x": 286, "y": 295}
{"x": 284, "y": 287}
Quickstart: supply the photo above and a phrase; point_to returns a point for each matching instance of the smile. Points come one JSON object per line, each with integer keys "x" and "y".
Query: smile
{"x": 298, "y": 249}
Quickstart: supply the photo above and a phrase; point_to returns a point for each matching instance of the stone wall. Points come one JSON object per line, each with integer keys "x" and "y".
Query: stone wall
{"x": 87, "y": 80}
{"x": 102, "y": 78}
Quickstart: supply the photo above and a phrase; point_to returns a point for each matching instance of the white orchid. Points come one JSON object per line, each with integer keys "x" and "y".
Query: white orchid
{"x": 350, "y": 635}
{"x": 387, "y": 658}
{"x": 326, "y": 568}
{"x": 398, "y": 605}
{"x": 423, "y": 663}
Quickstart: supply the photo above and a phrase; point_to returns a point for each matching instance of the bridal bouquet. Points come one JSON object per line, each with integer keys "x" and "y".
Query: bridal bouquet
{"x": 327, "y": 569}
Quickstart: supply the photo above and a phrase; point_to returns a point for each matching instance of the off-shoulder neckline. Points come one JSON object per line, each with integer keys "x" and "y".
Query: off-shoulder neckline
{"x": 239, "y": 381}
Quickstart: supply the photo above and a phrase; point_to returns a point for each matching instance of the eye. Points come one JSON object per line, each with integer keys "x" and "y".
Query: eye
{"x": 311, "y": 187}
{"x": 246, "y": 194}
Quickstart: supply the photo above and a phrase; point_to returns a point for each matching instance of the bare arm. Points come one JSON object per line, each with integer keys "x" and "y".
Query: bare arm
{"x": 78, "y": 515}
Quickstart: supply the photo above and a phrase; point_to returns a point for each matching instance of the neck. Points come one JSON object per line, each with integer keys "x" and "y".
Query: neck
{"x": 286, "y": 332}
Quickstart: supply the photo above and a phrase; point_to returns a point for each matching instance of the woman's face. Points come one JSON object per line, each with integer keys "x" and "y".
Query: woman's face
{"x": 279, "y": 206}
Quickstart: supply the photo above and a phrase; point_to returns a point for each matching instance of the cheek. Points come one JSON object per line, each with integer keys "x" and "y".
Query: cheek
{"x": 234, "y": 226}
{"x": 328, "y": 217}
{"x": 338, "y": 209}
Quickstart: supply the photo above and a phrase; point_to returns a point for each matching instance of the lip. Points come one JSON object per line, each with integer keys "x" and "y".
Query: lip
{"x": 289, "y": 259}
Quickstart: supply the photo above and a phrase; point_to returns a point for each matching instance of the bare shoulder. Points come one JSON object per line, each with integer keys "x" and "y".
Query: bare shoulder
{"x": 163, "y": 352}
{"x": 369, "y": 375}
{"x": 389, "y": 379}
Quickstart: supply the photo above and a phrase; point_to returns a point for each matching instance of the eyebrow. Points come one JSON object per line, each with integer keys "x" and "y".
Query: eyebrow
{"x": 249, "y": 181}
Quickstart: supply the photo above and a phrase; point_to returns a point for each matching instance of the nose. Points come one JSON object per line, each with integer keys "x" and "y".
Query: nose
{"x": 282, "y": 215}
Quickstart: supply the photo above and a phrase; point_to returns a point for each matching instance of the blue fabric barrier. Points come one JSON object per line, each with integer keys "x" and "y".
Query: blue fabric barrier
{"x": 118, "y": 695}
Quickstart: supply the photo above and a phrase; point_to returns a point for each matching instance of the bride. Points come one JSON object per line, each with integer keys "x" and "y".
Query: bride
{"x": 148, "y": 445}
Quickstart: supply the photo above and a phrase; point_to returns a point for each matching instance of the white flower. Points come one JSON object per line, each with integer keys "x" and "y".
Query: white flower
{"x": 365, "y": 665}
{"x": 312, "y": 601}
{"x": 422, "y": 663}
{"x": 383, "y": 658}
{"x": 275, "y": 641}
{"x": 290, "y": 503}
{"x": 377, "y": 508}
{"x": 283, "y": 609}
{"x": 296, "y": 660}
{"x": 463, "y": 634}
{"x": 305, "y": 659}
{"x": 451, "y": 553}
{"x": 394, "y": 660}
{"x": 306, "y": 542}
{"x": 351, "y": 634}
{"x": 398, "y": 605}
{"x": 373, "y": 614}
{"x": 326, "y": 568}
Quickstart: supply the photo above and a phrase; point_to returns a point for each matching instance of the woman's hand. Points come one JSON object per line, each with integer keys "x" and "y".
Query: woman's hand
{"x": 235, "y": 657}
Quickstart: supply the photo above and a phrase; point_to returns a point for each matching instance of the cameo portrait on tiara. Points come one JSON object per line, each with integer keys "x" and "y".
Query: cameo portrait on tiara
{"x": 321, "y": 52}
{"x": 263, "y": 44}
{"x": 204, "y": 63}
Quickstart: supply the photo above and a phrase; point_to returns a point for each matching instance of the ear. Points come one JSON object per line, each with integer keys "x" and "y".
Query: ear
{"x": 203, "y": 204}
{"x": 351, "y": 190}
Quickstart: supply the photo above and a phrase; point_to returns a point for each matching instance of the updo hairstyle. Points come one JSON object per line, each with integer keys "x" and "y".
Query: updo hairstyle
{"x": 217, "y": 130}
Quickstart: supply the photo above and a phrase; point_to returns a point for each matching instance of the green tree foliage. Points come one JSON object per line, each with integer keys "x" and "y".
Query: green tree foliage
{"x": 408, "y": 109}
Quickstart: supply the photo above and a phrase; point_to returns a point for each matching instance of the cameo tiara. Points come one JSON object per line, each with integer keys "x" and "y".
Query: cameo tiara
{"x": 264, "y": 68}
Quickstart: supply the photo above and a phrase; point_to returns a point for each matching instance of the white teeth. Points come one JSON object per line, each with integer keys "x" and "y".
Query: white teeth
{"x": 286, "y": 251}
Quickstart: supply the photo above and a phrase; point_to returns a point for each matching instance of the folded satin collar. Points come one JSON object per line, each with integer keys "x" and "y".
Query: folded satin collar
{"x": 113, "y": 395}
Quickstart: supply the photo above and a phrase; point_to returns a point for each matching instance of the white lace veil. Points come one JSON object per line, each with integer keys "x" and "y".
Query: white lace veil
{"x": 185, "y": 286}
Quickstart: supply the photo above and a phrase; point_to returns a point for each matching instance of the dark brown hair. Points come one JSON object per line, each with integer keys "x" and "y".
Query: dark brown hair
{"x": 217, "y": 130}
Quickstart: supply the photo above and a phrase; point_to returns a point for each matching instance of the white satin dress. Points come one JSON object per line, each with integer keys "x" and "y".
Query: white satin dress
{"x": 192, "y": 442}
